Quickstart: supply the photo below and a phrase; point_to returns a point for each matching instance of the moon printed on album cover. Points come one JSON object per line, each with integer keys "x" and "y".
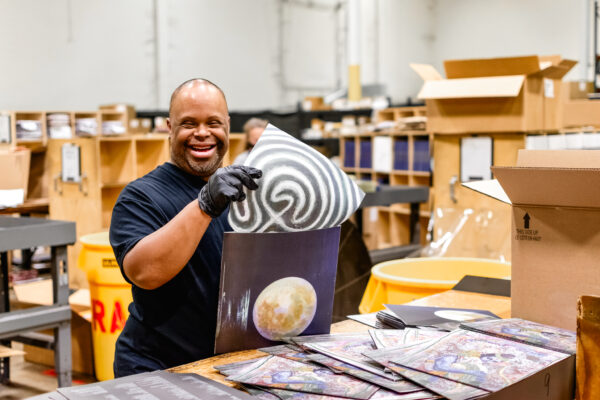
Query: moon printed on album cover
{"x": 300, "y": 189}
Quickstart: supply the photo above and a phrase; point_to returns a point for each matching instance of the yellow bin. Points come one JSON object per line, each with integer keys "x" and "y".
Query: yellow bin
{"x": 401, "y": 281}
{"x": 110, "y": 295}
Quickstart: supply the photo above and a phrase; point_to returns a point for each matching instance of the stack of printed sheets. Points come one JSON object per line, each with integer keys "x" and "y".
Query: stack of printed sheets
{"x": 468, "y": 363}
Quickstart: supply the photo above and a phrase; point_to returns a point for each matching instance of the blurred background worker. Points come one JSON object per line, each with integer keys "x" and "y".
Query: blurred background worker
{"x": 253, "y": 128}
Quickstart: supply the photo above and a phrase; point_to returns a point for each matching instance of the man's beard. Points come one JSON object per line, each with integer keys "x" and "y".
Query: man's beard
{"x": 203, "y": 168}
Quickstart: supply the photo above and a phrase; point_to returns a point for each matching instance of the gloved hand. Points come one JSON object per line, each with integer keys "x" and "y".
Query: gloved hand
{"x": 225, "y": 185}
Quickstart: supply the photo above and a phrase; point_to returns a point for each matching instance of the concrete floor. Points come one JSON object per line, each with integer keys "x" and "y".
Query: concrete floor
{"x": 29, "y": 379}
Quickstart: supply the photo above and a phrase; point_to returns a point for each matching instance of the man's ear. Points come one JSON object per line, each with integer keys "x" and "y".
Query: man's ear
{"x": 169, "y": 124}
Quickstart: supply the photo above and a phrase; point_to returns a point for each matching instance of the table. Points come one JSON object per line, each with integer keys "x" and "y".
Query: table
{"x": 452, "y": 298}
{"x": 29, "y": 206}
{"x": 24, "y": 232}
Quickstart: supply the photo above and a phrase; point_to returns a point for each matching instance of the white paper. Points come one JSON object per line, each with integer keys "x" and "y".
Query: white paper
{"x": 491, "y": 188}
{"x": 4, "y": 128}
{"x": 557, "y": 142}
{"x": 11, "y": 197}
{"x": 591, "y": 140}
{"x": 71, "y": 163}
{"x": 373, "y": 214}
{"x": 536, "y": 142}
{"x": 548, "y": 88}
{"x": 475, "y": 158}
{"x": 382, "y": 154}
{"x": 574, "y": 141}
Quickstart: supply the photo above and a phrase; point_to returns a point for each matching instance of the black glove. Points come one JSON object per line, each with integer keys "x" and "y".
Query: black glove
{"x": 225, "y": 185}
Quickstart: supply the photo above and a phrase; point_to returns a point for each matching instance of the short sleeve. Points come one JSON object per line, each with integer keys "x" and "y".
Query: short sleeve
{"x": 134, "y": 217}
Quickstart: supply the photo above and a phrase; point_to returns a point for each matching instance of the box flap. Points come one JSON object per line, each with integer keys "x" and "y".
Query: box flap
{"x": 426, "y": 72}
{"x": 499, "y": 86}
{"x": 543, "y": 186}
{"x": 559, "y": 158}
{"x": 557, "y": 71}
{"x": 490, "y": 188}
{"x": 491, "y": 67}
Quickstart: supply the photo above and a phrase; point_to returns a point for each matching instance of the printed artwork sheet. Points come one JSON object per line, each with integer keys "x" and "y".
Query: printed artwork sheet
{"x": 548, "y": 337}
{"x": 447, "y": 388}
{"x": 398, "y": 337}
{"x": 292, "y": 375}
{"x": 348, "y": 348}
{"x": 479, "y": 360}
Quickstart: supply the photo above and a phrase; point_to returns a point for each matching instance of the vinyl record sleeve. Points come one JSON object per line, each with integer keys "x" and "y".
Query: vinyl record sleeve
{"x": 252, "y": 267}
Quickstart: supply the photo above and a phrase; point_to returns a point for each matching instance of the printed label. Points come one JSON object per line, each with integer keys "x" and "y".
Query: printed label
{"x": 527, "y": 232}
{"x": 109, "y": 263}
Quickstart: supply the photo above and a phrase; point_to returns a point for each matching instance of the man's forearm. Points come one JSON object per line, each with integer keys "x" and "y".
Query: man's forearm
{"x": 158, "y": 257}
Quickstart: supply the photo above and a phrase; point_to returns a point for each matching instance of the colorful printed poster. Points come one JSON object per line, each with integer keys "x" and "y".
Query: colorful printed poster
{"x": 401, "y": 386}
{"x": 348, "y": 348}
{"x": 520, "y": 330}
{"x": 447, "y": 388}
{"x": 479, "y": 360}
{"x": 399, "y": 337}
{"x": 278, "y": 372}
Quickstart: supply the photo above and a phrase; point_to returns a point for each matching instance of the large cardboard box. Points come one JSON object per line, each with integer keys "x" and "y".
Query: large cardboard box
{"x": 514, "y": 94}
{"x": 555, "y": 197}
{"x": 577, "y": 110}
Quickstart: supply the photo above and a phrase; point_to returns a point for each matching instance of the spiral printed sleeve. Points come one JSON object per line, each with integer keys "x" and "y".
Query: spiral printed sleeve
{"x": 300, "y": 189}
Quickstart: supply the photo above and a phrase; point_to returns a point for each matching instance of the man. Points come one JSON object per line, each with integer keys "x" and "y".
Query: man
{"x": 253, "y": 128}
{"x": 167, "y": 234}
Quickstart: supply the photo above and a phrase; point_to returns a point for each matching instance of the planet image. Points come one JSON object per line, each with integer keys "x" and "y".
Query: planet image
{"x": 284, "y": 308}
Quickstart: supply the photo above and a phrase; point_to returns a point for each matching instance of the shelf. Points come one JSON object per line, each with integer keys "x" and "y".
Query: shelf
{"x": 400, "y": 172}
{"x": 116, "y": 160}
{"x": 424, "y": 174}
{"x": 149, "y": 153}
{"x": 112, "y": 185}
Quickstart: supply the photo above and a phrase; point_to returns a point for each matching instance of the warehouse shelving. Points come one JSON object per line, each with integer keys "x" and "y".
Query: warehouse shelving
{"x": 409, "y": 156}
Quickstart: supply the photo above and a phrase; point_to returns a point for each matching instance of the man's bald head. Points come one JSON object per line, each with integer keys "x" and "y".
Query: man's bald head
{"x": 190, "y": 83}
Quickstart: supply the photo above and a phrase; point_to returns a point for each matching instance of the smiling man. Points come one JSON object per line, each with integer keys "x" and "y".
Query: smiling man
{"x": 167, "y": 234}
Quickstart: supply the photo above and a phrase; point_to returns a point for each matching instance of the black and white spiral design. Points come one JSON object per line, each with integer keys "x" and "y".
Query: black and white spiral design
{"x": 300, "y": 189}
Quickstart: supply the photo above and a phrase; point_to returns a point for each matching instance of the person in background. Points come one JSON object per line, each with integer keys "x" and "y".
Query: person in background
{"x": 167, "y": 232}
{"x": 253, "y": 128}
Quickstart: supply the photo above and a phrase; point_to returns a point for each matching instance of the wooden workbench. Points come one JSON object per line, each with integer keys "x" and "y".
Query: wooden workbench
{"x": 499, "y": 305}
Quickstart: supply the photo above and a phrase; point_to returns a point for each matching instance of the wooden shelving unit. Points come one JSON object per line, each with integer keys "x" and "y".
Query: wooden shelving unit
{"x": 409, "y": 155}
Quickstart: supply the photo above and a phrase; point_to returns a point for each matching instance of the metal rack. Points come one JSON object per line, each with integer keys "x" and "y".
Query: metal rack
{"x": 22, "y": 233}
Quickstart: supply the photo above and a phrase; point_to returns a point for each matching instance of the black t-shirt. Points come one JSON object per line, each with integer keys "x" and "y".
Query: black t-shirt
{"x": 175, "y": 323}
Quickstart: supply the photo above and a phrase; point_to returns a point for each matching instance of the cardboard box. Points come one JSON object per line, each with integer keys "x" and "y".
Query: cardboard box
{"x": 577, "y": 110}
{"x": 513, "y": 94}
{"x": 40, "y": 293}
{"x": 13, "y": 185}
{"x": 555, "y": 197}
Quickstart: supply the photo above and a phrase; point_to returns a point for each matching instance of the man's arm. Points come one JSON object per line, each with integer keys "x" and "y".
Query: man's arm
{"x": 158, "y": 257}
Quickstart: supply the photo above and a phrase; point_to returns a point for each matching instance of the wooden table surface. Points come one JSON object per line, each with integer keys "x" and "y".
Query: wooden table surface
{"x": 29, "y": 206}
{"x": 499, "y": 305}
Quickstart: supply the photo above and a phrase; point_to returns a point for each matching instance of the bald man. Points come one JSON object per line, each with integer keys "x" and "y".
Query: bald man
{"x": 167, "y": 234}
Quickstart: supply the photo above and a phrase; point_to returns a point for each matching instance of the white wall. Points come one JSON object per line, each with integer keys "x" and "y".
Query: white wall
{"x": 480, "y": 29}
{"x": 77, "y": 54}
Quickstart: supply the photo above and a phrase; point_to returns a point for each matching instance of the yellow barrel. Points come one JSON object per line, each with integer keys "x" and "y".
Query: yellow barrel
{"x": 110, "y": 295}
{"x": 401, "y": 281}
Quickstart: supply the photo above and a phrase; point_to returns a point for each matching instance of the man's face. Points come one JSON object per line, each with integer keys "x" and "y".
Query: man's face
{"x": 199, "y": 129}
{"x": 253, "y": 136}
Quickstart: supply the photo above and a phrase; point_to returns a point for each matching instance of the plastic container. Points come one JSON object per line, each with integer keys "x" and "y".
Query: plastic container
{"x": 110, "y": 295}
{"x": 401, "y": 281}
